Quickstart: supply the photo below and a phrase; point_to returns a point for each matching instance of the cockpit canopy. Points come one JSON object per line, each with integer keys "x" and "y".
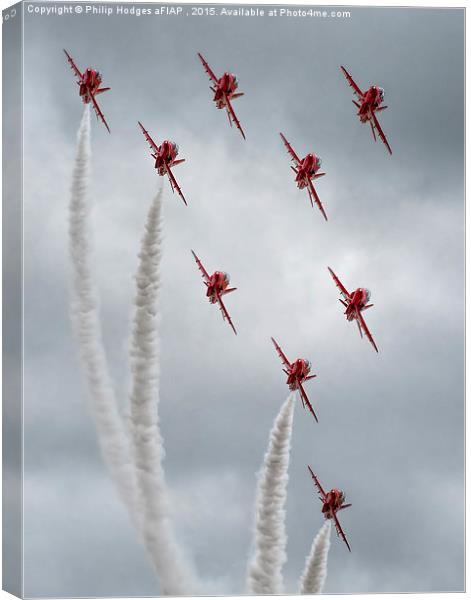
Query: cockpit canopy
{"x": 175, "y": 148}
{"x": 307, "y": 362}
{"x": 381, "y": 94}
{"x": 227, "y": 278}
{"x": 319, "y": 161}
{"x": 367, "y": 293}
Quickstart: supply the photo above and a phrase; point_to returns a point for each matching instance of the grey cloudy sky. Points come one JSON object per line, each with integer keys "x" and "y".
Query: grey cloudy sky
{"x": 391, "y": 425}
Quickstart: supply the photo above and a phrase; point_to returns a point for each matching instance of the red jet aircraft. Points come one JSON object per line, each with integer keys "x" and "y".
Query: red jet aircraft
{"x": 355, "y": 303}
{"x": 224, "y": 90}
{"x": 306, "y": 170}
{"x": 165, "y": 156}
{"x": 217, "y": 287}
{"x": 89, "y": 86}
{"x": 298, "y": 373}
{"x": 332, "y": 502}
{"x": 368, "y": 105}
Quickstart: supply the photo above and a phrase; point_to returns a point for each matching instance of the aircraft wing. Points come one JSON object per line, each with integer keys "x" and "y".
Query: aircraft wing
{"x": 205, "y": 274}
{"x": 313, "y": 194}
{"x": 73, "y": 66}
{"x": 98, "y": 112}
{"x": 208, "y": 70}
{"x": 377, "y": 126}
{"x": 340, "y": 532}
{"x": 305, "y": 400}
{"x": 291, "y": 152}
{"x": 320, "y": 489}
{"x": 338, "y": 283}
{"x": 174, "y": 184}
{"x": 351, "y": 83}
{"x": 225, "y": 314}
{"x": 151, "y": 142}
{"x": 281, "y": 354}
{"x": 232, "y": 115}
{"x": 362, "y": 324}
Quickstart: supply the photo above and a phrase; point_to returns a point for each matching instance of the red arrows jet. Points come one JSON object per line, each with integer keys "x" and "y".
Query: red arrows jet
{"x": 355, "y": 303}
{"x": 165, "y": 156}
{"x": 298, "y": 373}
{"x": 224, "y": 90}
{"x": 306, "y": 170}
{"x": 368, "y": 105}
{"x": 217, "y": 287}
{"x": 89, "y": 86}
{"x": 332, "y": 502}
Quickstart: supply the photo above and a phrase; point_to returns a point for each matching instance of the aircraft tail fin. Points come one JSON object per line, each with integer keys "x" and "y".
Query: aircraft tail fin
{"x": 359, "y": 327}
{"x": 373, "y": 131}
{"x": 302, "y": 399}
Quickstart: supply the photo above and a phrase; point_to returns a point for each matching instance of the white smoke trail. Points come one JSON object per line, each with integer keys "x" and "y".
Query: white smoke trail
{"x": 265, "y": 568}
{"x": 112, "y": 435}
{"x": 175, "y": 574}
{"x": 315, "y": 570}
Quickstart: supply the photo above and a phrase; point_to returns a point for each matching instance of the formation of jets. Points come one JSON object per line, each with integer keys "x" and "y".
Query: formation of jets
{"x": 307, "y": 170}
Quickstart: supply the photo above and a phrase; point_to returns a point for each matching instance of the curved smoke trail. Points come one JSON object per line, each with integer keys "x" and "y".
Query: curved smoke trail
{"x": 112, "y": 435}
{"x": 175, "y": 575}
{"x": 264, "y": 573}
{"x": 315, "y": 571}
